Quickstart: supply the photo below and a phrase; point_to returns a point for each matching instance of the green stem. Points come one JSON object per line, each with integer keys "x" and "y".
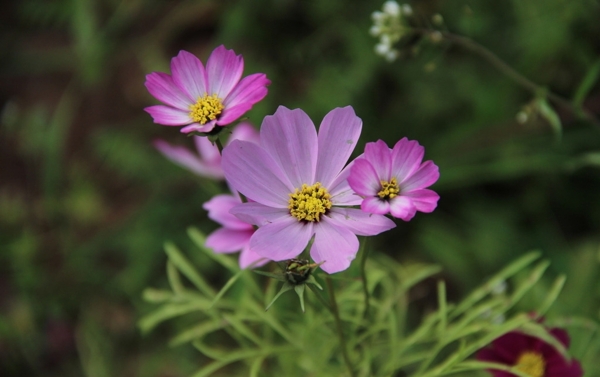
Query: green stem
{"x": 511, "y": 73}
{"x": 340, "y": 329}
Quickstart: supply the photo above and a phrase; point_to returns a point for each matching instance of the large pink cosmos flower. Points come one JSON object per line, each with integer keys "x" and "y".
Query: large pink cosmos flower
{"x": 235, "y": 234}
{"x": 531, "y": 355}
{"x": 200, "y": 98}
{"x": 207, "y": 161}
{"x": 298, "y": 185}
{"x": 394, "y": 180}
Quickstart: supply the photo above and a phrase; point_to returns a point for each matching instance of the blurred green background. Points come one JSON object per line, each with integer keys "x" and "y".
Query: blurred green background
{"x": 86, "y": 203}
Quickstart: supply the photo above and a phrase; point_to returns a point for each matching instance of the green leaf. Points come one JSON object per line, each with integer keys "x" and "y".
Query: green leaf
{"x": 550, "y": 115}
{"x": 174, "y": 278}
{"x": 196, "y": 332}
{"x": 226, "y": 287}
{"x": 167, "y": 311}
{"x": 186, "y": 268}
{"x": 284, "y": 288}
{"x": 586, "y": 84}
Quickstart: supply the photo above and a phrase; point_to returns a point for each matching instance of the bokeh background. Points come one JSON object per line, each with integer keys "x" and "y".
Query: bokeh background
{"x": 86, "y": 202}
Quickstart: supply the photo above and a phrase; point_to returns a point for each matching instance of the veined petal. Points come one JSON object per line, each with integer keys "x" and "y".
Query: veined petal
{"x": 189, "y": 75}
{"x": 403, "y": 208}
{"x": 252, "y": 171}
{"x": 223, "y": 69}
{"x": 341, "y": 193}
{"x": 231, "y": 114}
{"x": 338, "y": 135}
{"x": 334, "y": 245}
{"x": 219, "y": 211}
{"x": 225, "y": 240}
{"x": 249, "y": 258}
{"x": 185, "y": 158}
{"x": 360, "y": 222}
{"x": 250, "y": 90}
{"x": 283, "y": 239}
{"x": 379, "y": 155}
{"x": 289, "y": 136}
{"x": 424, "y": 199}
{"x": 363, "y": 178}
{"x": 168, "y": 116}
{"x": 162, "y": 87}
{"x": 373, "y": 204}
{"x": 258, "y": 214}
{"x": 406, "y": 158}
{"x": 427, "y": 175}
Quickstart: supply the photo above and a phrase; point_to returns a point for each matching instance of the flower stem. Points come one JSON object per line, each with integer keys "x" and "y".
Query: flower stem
{"x": 338, "y": 323}
{"x": 511, "y": 73}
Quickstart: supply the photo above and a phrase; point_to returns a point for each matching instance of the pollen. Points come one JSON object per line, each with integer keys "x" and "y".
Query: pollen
{"x": 206, "y": 108}
{"x": 531, "y": 363}
{"x": 389, "y": 190}
{"x": 309, "y": 202}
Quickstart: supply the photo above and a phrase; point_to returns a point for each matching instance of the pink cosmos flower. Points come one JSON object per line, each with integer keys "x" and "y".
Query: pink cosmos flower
{"x": 531, "y": 355}
{"x": 298, "y": 185}
{"x": 235, "y": 234}
{"x": 202, "y": 98}
{"x": 394, "y": 180}
{"x": 207, "y": 161}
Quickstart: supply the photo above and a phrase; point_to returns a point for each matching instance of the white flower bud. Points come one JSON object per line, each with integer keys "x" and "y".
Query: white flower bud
{"x": 377, "y": 16}
{"x": 386, "y": 40}
{"x": 392, "y": 8}
{"x": 375, "y": 30}
{"x": 407, "y": 10}
{"x": 391, "y": 55}
{"x": 522, "y": 117}
{"x": 382, "y": 49}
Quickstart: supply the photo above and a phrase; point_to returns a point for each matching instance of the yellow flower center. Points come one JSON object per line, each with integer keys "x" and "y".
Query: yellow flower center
{"x": 531, "y": 363}
{"x": 389, "y": 190}
{"x": 206, "y": 109}
{"x": 309, "y": 202}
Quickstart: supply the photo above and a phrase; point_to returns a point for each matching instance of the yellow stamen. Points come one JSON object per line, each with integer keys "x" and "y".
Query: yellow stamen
{"x": 389, "y": 190}
{"x": 531, "y": 363}
{"x": 206, "y": 108}
{"x": 309, "y": 202}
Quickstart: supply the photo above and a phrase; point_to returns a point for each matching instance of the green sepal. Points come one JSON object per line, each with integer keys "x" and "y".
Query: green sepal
{"x": 300, "y": 292}
{"x": 311, "y": 280}
{"x": 284, "y": 288}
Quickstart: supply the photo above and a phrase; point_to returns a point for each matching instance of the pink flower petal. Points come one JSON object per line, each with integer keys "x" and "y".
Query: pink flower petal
{"x": 208, "y": 151}
{"x": 226, "y": 240}
{"x": 406, "y": 158}
{"x": 427, "y": 175}
{"x": 219, "y": 211}
{"x": 168, "y": 116}
{"x": 258, "y": 214}
{"x": 360, "y": 222}
{"x": 373, "y": 204}
{"x": 248, "y": 258}
{"x": 334, "y": 245}
{"x": 162, "y": 87}
{"x": 250, "y": 90}
{"x": 246, "y": 132}
{"x": 224, "y": 69}
{"x": 189, "y": 75}
{"x": 424, "y": 199}
{"x": 252, "y": 171}
{"x": 403, "y": 208}
{"x": 340, "y": 191}
{"x": 379, "y": 155}
{"x": 185, "y": 158}
{"x": 289, "y": 136}
{"x": 231, "y": 114}
{"x": 197, "y": 127}
{"x": 284, "y": 239}
{"x": 338, "y": 134}
{"x": 363, "y": 178}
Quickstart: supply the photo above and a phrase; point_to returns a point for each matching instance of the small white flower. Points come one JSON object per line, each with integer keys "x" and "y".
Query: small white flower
{"x": 392, "y": 8}
{"x": 386, "y": 40}
{"x": 377, "y": 16}
{"x": 407, "y": 10}
{"x": 391, "y": 55}
{"x": 522, "y": 117}
{"x": 382, "y": 49}
{"x": 375, "y": 30}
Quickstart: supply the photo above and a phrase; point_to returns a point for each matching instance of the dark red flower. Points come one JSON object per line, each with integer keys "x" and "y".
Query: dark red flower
{"x": 531, "y": 355}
